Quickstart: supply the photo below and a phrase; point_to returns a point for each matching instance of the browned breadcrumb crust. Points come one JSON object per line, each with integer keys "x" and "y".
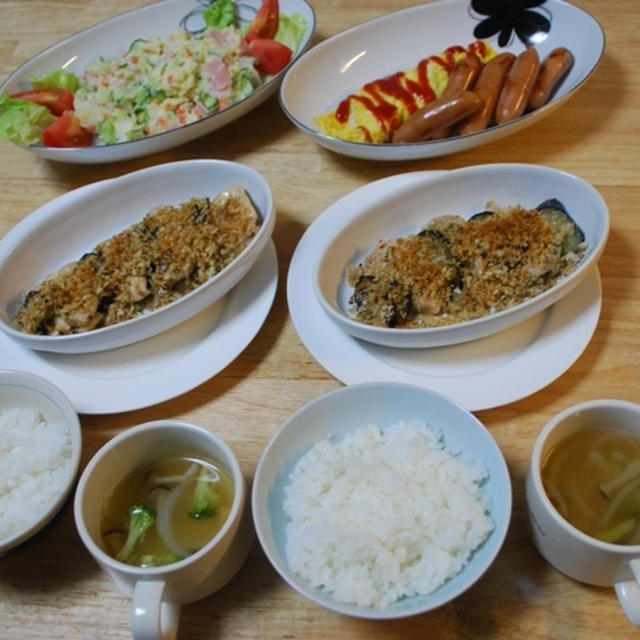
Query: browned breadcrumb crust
{"x": 456, "y": 270}
{"x": 171, "y": 252}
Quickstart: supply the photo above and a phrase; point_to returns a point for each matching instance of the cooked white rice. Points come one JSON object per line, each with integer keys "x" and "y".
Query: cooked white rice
{"x": 384, "y": 514}
{"x": 35, "y": 458}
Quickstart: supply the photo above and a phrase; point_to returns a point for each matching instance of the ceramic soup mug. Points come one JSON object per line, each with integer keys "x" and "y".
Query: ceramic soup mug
{"x": 158, "y": 592}
{"x": 568, "y": 549}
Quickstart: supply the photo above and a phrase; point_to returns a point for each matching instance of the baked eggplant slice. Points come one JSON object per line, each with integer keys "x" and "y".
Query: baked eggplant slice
{"x": 555, "y": 213}
{"x": 481, "y": 216}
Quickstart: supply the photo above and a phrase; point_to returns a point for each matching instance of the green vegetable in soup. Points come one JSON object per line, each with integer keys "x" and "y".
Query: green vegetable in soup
{"x": 592, "y": 477}
{"x": 618, "y": 532}
{"x": 170, "y": 507}
{"x": 205, "y": 499}
{"x": 140, "y": 519}
{"x": 157, "y": 560}
{"x": 629, "y": 473}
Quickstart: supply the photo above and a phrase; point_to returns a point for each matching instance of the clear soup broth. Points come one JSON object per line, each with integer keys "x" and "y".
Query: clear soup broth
{"x": 165, "y": 510}
{"x": 592, "y": 477}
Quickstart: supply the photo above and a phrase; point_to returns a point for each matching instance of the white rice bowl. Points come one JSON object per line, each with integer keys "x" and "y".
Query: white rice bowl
{"x": 341, "y": 508}
{"x": 35, "y": 456}
{"x": 40, "y": 443}
{"x": 382, "y": 515}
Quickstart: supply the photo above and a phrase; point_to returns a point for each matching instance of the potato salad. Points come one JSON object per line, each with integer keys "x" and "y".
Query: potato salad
{"x": 162, "y": 83}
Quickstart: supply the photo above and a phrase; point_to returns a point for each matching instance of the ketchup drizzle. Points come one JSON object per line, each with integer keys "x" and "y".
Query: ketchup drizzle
{"x": 402, "y": 89}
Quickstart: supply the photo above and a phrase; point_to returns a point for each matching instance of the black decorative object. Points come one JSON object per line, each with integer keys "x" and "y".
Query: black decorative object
{"x": 508, "y": 16}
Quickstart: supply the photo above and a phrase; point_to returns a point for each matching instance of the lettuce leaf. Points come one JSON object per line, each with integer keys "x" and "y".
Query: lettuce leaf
{"x": 22, "y": 121}
{"x": 291, "y": 30}
{"x": 220, "y": 14}
{"x": 59, "y": 79}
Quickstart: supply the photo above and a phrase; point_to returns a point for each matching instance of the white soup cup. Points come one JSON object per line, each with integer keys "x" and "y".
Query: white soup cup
{"x": 158, "y": 592}
{"x": 568, "y": 549}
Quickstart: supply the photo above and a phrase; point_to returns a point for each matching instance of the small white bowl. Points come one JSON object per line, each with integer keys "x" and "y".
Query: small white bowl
{"x": 24, "y": 390}
{"x": 344, "y": 410}
{"x": 64, "y": 229}
{"x": 463, "y": 192}
{"x": 337, "y": 67}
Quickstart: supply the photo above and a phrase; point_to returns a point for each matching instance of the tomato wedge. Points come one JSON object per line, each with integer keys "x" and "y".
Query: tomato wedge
{"x": 265, "y": 24}
{"x": 56, "y": 100}
{"x": 66, "y": 131}
{"x": 271, "y": 56}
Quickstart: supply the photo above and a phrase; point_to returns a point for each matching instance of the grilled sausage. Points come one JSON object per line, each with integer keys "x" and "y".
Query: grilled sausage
{"x": 552, "y": 70}
{"x": 488, "y": 87}
{"x": 505, "y": 60}
{"x": 518, "y": 86}
{"x": 443, "y": 112}
{"x": 463, "y": 76}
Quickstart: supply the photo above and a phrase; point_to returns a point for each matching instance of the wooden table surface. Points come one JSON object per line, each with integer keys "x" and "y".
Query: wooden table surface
{"x": 54, "y": 589}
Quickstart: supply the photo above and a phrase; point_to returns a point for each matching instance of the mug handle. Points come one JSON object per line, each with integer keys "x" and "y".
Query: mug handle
{"x": 628, "y": 593}
{"x": 151, "y": 618}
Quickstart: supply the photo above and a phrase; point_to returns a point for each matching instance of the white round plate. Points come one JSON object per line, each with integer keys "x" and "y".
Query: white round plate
{"x": 166, "y": 365}
{"x": 335, "y": 68}
{"x": 113, "y": 36}
{"x": 481, "y": 374}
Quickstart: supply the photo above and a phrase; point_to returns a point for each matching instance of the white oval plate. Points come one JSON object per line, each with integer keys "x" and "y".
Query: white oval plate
{"x": 164, "y": 366}
{"x": 109, "y": 38}
{"x": 482, "y": 374}
{"x": 463, "y": 192}
{"x": 64, "y": 229}
{"x": 340, "y": 65}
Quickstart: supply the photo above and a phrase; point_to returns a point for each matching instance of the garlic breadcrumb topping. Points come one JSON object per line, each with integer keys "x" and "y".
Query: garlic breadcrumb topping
{"x": 152, "y": 263}
{"x": 457, "y": 270}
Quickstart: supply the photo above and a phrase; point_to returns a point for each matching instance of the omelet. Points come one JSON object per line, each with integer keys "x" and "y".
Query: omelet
{"x": 377, "y": 109}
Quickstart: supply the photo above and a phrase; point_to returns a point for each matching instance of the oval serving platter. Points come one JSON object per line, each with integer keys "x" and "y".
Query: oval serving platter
{"x": 317, "y": 82}
{"x": 112, "y": 37}
{"x": 461, "y": 192}
{"x": 60, "y": 232}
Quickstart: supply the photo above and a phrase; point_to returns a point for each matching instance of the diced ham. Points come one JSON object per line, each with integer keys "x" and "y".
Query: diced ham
{"x": 227, "y": 38}
{"x": 220, "y": 78}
